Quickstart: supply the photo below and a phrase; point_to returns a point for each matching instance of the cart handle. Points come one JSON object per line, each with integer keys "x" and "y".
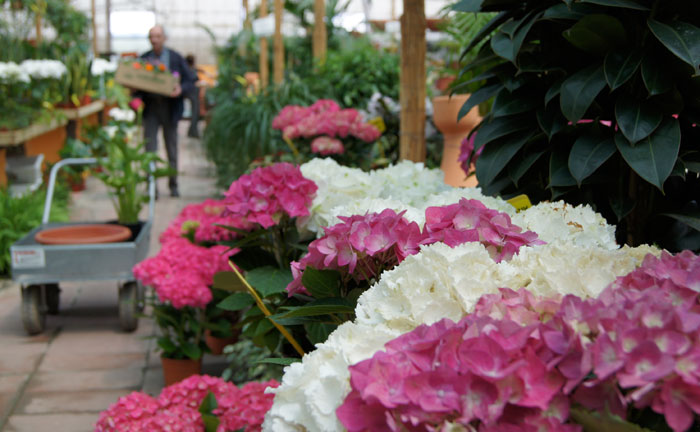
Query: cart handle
{"x": 89, "y": 161}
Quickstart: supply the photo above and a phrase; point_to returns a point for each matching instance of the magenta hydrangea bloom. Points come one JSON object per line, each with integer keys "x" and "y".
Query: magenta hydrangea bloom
{"x": 177, "y": 407}
{"x": 203, "y": 218}
{"x": 467, "y": 155}
{"x": 269, "y": 193}
{"x": 471, "y": 220}
{"x": 182, "y": 272}
{"x": 325, "y": 146}
{"x": 518, "y": 361}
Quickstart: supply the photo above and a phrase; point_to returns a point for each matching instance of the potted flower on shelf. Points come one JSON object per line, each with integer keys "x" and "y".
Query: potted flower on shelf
{"x": 75, "y": 175}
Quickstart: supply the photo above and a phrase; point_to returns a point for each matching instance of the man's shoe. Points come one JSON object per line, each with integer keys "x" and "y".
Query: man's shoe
{"x": 174, "y": 193}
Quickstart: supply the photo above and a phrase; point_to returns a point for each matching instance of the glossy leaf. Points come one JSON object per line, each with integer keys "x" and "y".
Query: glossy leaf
{"x": 479, "y": 96}
{"x": 596, "y": 33}
{"x": 559, "y": 174}
{"x": 208, "y": 405}
{"x": 655, "y": 75}
{"x": 637, "y": 120}
{"x": 486, "y": 30}
{"x": 564, "y": 12}
{"x": 468, "y": 6}
{"x": 508, "y": 45}
{"x": 518, "y": 169}
{"x": 319, "y": 332}
{"x": 507, "y": 103}
{"x": 500, "y": 127}
{"x": 320, "y": 307}
{"x": 621, "y": 206}
{"x": 496, "y": 156}
{"x": 588, "y": 153}
{"x": 620, "y": 66}
{"x": 191, "y": 350}
{"x": 690, "y": 218}
{"x": 269, "y": 280}
{"x": 550, "y": 120}
{"x": 602, "y": 422}
{"x": 236, "y": 302}
{"x": 579, "y": 91}
{"x": 653, "y": 158}
{"x": 228, "y": 281}
{"x": 280, "y": 361}
{"x": 321, "y": 283}
{"x": 628, "y": 4}
{"x": 681, "y": 38}
{"x": 553, "y": 91}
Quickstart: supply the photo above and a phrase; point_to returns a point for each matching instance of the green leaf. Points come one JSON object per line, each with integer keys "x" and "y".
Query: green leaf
{"x": 655, "y": 75}
{"x": 629, "y": 4}
{"x": 653, "y": 158}
{"x": 559, "y": 174}
{"x": 279, "y": 361}
{"x": 637, "y": 120}
{"x": 166, "y": 345}
{"x": 479, "y": 96}
{"x": 228, "y": 281}
{"x": 620, "y": 66}
{"x": 486, "y": 30}
{"x": 237, "y": 301}
{"x": 191, "y": 350}
{"x": 564, "y": 12}
{"x": 550, "y": 120}
{"x": 520, "y": 167}
{"x": 681, "y": 38}
{"x": 253, "y": 257}
{"x": 206, "y": 408}
{"x": 553, "y": 91}
{"x": 319, "y": 332}
{"x": 321, "y": 283}
{"x": 264, "y": 327}
{"x": 499, "y": 127}
{"x": 320, "y": 307}
{"x": 508, "y": 45}
{"x": 579, "y": 91}
{"x": 507, "y": 103}
{"x": 602, "y": 422}
{"x": 690, "y": 218}
{"x": 588, "y": 153}
{"x": 596, "y": 33}
{"x": 621, "y": 206}
{"x": 468, "y": 6}
{"x": 269, "y": 280}
{"x": 496, "y": 156}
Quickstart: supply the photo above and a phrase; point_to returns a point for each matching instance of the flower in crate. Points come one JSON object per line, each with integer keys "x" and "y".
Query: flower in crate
{"x": 178, "y": 407}
{"x": 324, "y": 146}
{"x": 268, "y": 194}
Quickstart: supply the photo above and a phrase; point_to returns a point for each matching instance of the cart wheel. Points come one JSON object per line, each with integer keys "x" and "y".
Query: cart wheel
{"x": 128, "y": 306}
{"x": 33, "y": 312}
{"x": 141, "y": 297}
{"x": 53, "y": 298}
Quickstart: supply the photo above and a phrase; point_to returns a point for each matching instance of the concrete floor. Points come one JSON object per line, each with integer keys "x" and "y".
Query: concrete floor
{"x": 60, "y": 380}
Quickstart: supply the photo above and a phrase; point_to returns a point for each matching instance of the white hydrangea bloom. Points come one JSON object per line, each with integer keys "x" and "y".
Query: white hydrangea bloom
{"x": 101, "y": 66}
{"x": 11, "y": 72}
{"x": 376, "y": 205}
{"x": 408, "y": 182}
{"x": 439, "y": 282}
{"x": 562, "y": 222}
{"x": 41, "y": 69}
{"x": 119, "y": 114}
{"x": 453, "y": 195}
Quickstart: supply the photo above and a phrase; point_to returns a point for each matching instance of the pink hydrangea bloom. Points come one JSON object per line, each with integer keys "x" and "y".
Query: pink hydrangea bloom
{"x": 182, "y": 272}
{"x": 177, "y": 407}
{"x": 269, "y": 193}
{"x": 203, "y": 218}
{"x": 467, "y": 156}
{"x": 325, "y": 146}
{"x": 470, "y": 220}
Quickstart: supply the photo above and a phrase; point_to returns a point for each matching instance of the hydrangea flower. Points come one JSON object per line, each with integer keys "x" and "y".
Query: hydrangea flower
{"x": 267, "y": 194}
{"x": 177, "y": 407}
{"x": 325, "y": 146}
{"x": 203, "y": 219}
{"x": 467, "y": 155}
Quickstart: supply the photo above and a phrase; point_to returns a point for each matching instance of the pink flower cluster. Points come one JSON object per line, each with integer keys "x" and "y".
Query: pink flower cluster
{"x": 324, "y": 117}
{"x": 202, "y": 218}
{"x": 182, "y": 272}
{"x": 268, "y": 193}
{"x": 325, "y": 146}
{"x": 469, "y": 221}
{"x": 363, "y": 246}
{"x": 518, "y": 362}
{"x": 177, "y": 407}
{"x": 369, "y": 244}
{"x": 467, "y": 155}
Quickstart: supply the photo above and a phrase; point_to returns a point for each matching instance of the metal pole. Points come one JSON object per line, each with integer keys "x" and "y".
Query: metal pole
{"x": 94, "y": 28}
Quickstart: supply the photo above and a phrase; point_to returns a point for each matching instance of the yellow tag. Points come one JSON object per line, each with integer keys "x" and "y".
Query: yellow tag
{"x": 520, "y": 202}
{"x": 378, "y": 122}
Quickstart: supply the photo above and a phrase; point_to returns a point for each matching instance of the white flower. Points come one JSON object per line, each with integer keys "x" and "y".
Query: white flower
{"x": 12, "y": 72}
{"x": 439, "y": 282}
{"x": 408, "y": 182}
{"x": 42, "y": 69}
{"x": 561, "y": 222}
{"x": 101, "y": 66}
{"x": 379, "y": 104}
{"x": 375, "y": 205}
{"x": 453, "y": 195}
{"x": 125, "y": 115}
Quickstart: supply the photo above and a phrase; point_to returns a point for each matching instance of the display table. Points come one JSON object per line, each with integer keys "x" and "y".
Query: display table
{"x": 78, "y": 117}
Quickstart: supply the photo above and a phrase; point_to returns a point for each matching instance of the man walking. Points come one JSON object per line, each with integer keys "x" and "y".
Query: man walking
{"x": 164, "y": 111}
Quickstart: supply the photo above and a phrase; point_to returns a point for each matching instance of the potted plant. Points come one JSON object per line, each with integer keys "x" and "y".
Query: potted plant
{"x": 595, "y": 102}
{"x": 78, "y": 87}
{"x": 75, "y": 175}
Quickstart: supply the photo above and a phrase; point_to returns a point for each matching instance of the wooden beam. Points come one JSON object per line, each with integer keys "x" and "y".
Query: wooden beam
{"x": 412, "y": 91}
{"x": 94, "y": 28}
{"x": 278, "y": 64}
{"x": 108, "y": 28}
{"x": 264, "y": 66}
{"x": 37, "y": 23}
{"x": 320, "y": 37}
{"x": 247, "y": 24}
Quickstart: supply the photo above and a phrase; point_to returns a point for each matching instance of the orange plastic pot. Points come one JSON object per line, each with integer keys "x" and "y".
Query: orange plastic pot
{"x": 176, "y": 370}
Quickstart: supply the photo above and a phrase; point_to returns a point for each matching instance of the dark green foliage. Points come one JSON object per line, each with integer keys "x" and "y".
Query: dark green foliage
{"x": 597, "y": 102}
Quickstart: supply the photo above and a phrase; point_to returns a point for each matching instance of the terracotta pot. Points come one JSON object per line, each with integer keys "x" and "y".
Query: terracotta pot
{"x": 445, "y": 111}
{"x": 176, "y": 370}
{"x": 83, "y": 234}
{"x": 217, "y": 344}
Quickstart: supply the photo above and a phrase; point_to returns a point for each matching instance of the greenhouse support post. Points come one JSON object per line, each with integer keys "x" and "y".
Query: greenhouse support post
{"x": 264, "y": 66}
{"x": 320, "y": 37}
{"x": 278, "y": 66}
{"x": 412, "y": 91}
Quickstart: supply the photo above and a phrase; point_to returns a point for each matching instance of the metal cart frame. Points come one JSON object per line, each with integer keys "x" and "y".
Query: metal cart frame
{"x": 39, "y": 268}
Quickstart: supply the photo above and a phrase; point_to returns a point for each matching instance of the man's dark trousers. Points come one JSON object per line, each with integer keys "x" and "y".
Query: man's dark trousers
{"x": 156, "y": 116}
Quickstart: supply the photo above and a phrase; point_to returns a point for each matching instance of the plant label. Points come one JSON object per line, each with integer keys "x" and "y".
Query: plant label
{"x": 28, "y": 258}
